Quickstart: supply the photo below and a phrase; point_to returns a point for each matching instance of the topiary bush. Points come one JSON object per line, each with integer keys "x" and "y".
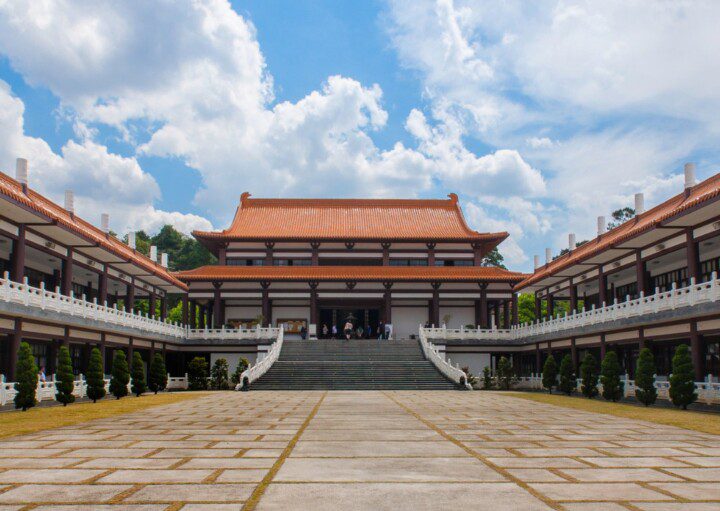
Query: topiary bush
{"x": 567, "y": 376}
{"x": 197, "y": 374}
{"x": 138, "y": 375}
{"x": 120, "y": 375}
{"x": 26, "y": 378}
{"x": 610, "y": 377}
{"x": 505, "y": 374}
{"x": 645, "y": 390}
{"x": 682, "y": 381}
{"x": 550, "y": 373}
{"x": 242, "y": 366}
{"x": 589, "y": 375}
{"x": 158, "y": 374}
{"x": 65, "y": 380}
{"x": 487, "y": 379}
{"x": 95, "y": 376}
{"x": 219, "y": 375}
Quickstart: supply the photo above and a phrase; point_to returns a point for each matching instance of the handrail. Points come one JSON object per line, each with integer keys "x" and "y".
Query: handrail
{"x": 233, "y": 333}
{"x": 251, "y": 374}
{"x": 445, "y": 367}
{"x": 694, "y": 294}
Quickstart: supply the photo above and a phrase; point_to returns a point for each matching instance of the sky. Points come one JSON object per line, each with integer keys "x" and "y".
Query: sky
{"x": 540, "y": 115}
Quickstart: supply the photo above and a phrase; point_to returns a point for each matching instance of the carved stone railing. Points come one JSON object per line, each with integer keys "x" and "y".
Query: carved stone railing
{"x": 233, "y": 333}
{"x": 451, "y": 372}
{"x": 660, "y": 301}
{"x": 251, "y": 374}
{"x": 43, "y": 299}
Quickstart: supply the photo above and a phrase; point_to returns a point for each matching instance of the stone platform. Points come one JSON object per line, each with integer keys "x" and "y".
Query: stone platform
{"x": 361, "y": 451}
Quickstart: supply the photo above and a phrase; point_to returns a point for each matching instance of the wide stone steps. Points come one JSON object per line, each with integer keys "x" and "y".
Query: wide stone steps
{"x": 358, "y": 364}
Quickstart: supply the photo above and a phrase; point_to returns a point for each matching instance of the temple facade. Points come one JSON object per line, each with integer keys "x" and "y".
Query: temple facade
{"x": 311, "y": 265}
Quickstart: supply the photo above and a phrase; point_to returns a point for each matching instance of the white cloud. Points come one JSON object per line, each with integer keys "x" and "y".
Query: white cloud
{"x": 102, "y": 182}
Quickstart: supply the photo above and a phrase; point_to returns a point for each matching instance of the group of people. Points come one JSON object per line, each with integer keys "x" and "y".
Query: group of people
{"x": 350, "y": 331}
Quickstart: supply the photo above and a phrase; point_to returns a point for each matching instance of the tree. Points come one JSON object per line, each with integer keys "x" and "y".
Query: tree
{"x": 27, "y": 378}
{"x": 197, "y": 374}
{"x": 120, "y": 375}
{"x": 65, "y": 381}
{"x": 242, "y": 366}
{"x": 550, "y": 373}
{"x": 620, "y": 216}
{"x": 610, "y": 377}
{"x": 588, "y": 373}
{"x": 494, "y": 258}
{"x": 95, "y": 376}
{"x": 505, "y": 376}
{"x": 682, "y": 380}
{"x": 487, "y": 379}
{"x": 138, "y": 375}
{"x": 219, "y": 375}
{"x": 158, "y": 374}
{"x": 567, "y": 376}
{"x": 645, "y": 390}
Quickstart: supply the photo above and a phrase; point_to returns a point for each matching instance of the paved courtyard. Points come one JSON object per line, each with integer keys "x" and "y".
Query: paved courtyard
{"x": 361, "y": 451}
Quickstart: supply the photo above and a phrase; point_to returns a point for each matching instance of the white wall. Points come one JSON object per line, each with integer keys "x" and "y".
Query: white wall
{"x": 406, "y": 320}
{"x": 244, "y": 312}
{"x": 460, "y": 316}
{"x": 475, "y": 361}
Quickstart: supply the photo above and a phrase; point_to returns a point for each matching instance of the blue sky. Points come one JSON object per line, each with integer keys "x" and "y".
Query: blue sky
{"x": 541, "y": 115}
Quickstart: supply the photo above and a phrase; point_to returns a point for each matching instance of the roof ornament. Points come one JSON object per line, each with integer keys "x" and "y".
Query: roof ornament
{"x": 453, "y": 198}
{"x": 244, "y": 197}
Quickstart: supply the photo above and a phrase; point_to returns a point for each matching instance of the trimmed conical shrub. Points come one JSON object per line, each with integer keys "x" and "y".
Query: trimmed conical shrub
{"x": 682, "y": 381}
{"x": 567, "y": 376}
{"x": 95, "y": 376}
{"x": 550, "y": 373}
{"x": 158, "y": 374}
{"x": 219, "y": 375}
{"x": 610, "y": 377}
{"x": 138, "y": 375}
{"x": 197, "y": 374}
{"x": 242, "y": 366}
{"x": 589, "y": 375}
{"x": 645, "y": 390}
{"x": 26, "y": 378}
{"x": 487, "y": 378}
{"x": 120, "y": 375}
{"x": 65, "y": 379}
{"x": 505, "y": 375}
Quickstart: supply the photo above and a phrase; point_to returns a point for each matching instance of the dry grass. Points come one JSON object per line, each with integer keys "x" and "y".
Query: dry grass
{"x": 697, "y": 421}
{"x": 39, "y": 419}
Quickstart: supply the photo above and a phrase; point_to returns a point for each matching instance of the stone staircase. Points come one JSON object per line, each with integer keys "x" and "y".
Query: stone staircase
{"x": 366, "y": 364}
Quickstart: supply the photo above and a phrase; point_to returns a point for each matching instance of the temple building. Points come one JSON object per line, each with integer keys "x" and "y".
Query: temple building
{"x": 309, "y": 264}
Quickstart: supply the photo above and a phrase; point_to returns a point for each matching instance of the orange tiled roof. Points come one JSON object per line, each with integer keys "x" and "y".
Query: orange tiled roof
{"x": 12, "y": 189}
{"x": 699, "y": 194}
{"x": 350, "y": 219}
{"x": 351, "y": 273}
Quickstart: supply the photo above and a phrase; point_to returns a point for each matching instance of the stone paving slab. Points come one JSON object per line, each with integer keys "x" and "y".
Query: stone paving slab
{"x": 361, "y": 451}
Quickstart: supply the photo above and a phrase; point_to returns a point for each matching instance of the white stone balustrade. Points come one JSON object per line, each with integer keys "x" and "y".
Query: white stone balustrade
{"x": 453, "y": 372}
{"x": 694, "y": 294}
{"x": 254, "y": 372}
{"x": 233, "y": 333}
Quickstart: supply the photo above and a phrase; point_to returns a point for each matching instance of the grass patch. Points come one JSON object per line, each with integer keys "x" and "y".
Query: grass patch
{"x": 39, "y": 419}
{"x": 696, "y": 421}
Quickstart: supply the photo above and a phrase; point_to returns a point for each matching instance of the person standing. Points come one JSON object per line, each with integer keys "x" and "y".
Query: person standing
{"x": 334, "y": 332}
{"x": 381, "y": 330}
{"x": 348, "y": 330}
{"x": 324, "y": 331}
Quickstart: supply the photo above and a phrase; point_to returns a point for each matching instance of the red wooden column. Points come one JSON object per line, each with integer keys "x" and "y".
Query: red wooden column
{"x": 387, "y": 302}
{"x": 385, "y": 254}
{"x": 506, "y": 314}
{"x": 313, "y": 303}
{"x": 435, "y": 305}
{"x": 602, "y": 287}
{"x": 431, "y": 254}
{"x": 164, "y": 309}
{"x": 538, "y": 359}
{"x": 101, "y": 347}
{"x": 315, "y": 257}
{"x": 574, "y": 355}
{"x": 130, "y": 296}
{"x": 550, "y": 310}
{"x": 152, "y": 303}
{"x": 217, "y": 306}
{"x": 640, "y": 274}
{"x": 185, "y": 311}
{"x": 484, "y": 323}
{"x": 641, "y": 338}
{"x": 192, "y": 314}
{"x": 573, "y": 298}
{"x": 66, "y": 270}
{"x": 269, "y": 254}
{"x": 697, "y": 352}
{"x": 477, "y": 253}
{"x": 693, "y": 256}
{"x": 515, "y": 314}
{"x": 266, "y": 310}
{"x": 103, "y": 287}
{"x": 17, "y": 263}
{"x": 15, "y": 338}
{"x": 603, "y": 348}
{"x": 538, "y": 307}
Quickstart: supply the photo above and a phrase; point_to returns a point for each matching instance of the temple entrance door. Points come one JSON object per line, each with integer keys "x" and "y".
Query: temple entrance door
{"x": 359, "y": 317}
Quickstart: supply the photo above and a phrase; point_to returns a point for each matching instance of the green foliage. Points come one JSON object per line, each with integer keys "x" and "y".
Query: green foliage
{"x": 487, "y": 379}
{"x": 682, "y": 381}
{"x": 65, "y": 380}
{"x": 645, "y": 390}
{"x": 138, "y": 375}
{"x": 26, "y": 378}
{"x": 120, "y": 375}
{"x": 505, "y": 374}
{"x": 526, "y": 308}
{"x": 95, "y": 376}
{"x": 175, "y": 313}
{"x": 197, "y": 374}
{"x": 494, "y": 258}
{"x": 589, "y": 375}
{"x": 470, "y": 377}
{"x": 242, "y": 366}
{"x": 610, "y": 377}
{"x": 158, "y": 374}
{"x": 184, "y": 252}
{"x": 219, "y": 375}
{"x": 620, "y": 216}
{"x": 567, "y": 376}
{"x": 550, "y": 373}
